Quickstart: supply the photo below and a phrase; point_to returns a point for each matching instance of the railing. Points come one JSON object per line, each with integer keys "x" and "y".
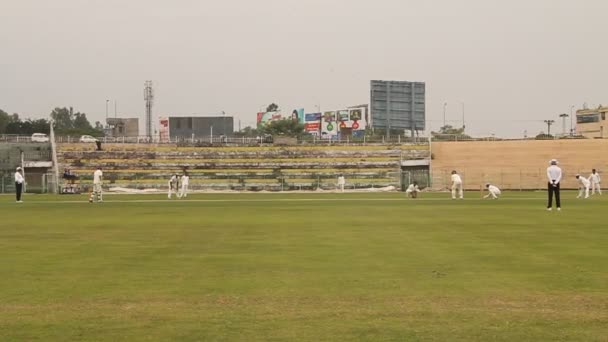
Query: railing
{"x": 248, "y": 141}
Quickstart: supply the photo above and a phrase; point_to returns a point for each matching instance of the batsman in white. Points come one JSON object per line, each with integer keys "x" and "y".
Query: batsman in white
{"x": 173, "y": 185}
{"x": 595, "y": 180}
{"x": 96, "y": 194}
{"x": 412, "y": 190}
{"x": 456, "y": 185}
{"x": 493, "y": 191}
{"x": 583, "y": 186}
{"x": 184, "y": 189}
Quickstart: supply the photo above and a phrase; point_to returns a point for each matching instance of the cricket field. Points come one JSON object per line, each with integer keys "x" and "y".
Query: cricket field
{"x": 303, "y": 267}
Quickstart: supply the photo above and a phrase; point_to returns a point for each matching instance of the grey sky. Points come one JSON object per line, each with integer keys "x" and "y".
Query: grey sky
{"x": 513, "y": 63}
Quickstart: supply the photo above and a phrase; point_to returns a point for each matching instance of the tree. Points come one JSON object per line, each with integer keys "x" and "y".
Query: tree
{"x": 69, "y": 123}
{"x": 273, "y": 107}
{"x": 81, "y": 122}
{"x": 98, "y": 126}
{"x": 285, "y": 127}
{"x": 248, "y": 132}
{"x": 4, "y": 120}
{"x": 63, "y": 118}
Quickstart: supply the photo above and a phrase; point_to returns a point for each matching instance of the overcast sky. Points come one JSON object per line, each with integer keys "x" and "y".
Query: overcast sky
{"x": 513, "y": 63}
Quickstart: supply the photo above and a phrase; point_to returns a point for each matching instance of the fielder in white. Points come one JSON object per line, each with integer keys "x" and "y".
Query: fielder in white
{"x": 184, "y": 189}
{"x": 595, "y": 180}
{"x": 341, "y": 183}
{"x": 97, "y": 194}
{"x": 493, "y": 191}
{"x": 173, "y": 185}
{"x": 457, "y": 185}
{"x": 583, "y": 186}
{"x": 412, "y": 190}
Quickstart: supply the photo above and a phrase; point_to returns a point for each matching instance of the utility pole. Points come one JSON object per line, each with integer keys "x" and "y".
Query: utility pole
{"x": 107, "y": 101}
{"x": 149, "y": 98}
{"x": 564, "y": 116}
{"x": 549, "y": 123}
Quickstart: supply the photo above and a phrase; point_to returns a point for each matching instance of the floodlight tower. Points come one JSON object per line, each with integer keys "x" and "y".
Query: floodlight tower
{"x": 149, "y": 98}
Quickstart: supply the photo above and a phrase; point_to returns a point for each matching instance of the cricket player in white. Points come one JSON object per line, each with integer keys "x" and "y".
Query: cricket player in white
{"x": 96, "y": 195}
{"x": 595, "y": 180}
{"x": 583, "y": 186}
{"x": 493, "y": 191}
{"x": 341, "y": 183}
{"x": 173, "y": 185}
{"x": 457, "y": 185}
{"x": 184, "y": 190}
{"x": 412, "y": 190}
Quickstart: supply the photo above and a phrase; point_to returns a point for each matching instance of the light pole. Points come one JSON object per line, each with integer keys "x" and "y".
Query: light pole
{"x": 445, "y": 106}
{"x": 463, "y": 125}
{"x": 549, "y": 123}
{"x": 564, "y": 116}
{"x": 571, "y": 128}
{"x": 107, "y": 101}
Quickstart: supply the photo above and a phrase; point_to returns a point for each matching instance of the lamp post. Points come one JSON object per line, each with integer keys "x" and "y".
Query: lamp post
{"x": 564, "y": 116}
{"x": 571, "y": 116}
{"x": 445, "y": 106}
{"x": 107, "y": 101}
{"x": 549, "y": 123}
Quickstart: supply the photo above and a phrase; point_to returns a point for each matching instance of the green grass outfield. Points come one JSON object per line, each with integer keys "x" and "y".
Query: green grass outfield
{"x": 303, "y": 267}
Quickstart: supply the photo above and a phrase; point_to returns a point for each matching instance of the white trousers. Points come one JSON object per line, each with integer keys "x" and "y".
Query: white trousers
{"x": 97, "y": 194}
{"x": 582, "y": 190}
{"x": 596, "y": 186}
{"x": 183, "y": 191}
{"x": 457, "y": 188}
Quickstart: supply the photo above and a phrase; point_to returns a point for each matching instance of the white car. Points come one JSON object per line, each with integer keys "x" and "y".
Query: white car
{"x": 87, "y": 139}
{"x": 40, "y": 137}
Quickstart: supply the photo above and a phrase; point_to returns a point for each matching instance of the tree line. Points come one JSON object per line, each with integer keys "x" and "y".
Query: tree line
{"x": 67, "y": 122}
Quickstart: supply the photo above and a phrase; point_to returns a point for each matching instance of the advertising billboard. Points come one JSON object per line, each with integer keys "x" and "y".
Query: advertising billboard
{"x": 329, "y": 127}
{"x": 265, "y": 117}
{"x": 312, "y": 123}
{"x": 163, "y": 130}
{"x": 298, "y": 115}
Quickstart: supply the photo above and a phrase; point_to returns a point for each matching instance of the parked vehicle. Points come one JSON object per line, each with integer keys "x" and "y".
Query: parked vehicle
{"x": 87, "y": 139}
{"x": 40, "y": 137}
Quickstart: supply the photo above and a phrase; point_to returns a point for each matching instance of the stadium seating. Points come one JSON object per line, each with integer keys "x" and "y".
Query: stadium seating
{"x": 143, "y": 166}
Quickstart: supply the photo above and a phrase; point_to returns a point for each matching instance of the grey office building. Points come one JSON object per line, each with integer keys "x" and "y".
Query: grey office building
{"x": 186, "y": 127}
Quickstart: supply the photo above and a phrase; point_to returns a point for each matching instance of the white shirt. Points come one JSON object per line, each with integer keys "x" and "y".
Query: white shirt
{"x": 412, "y": 188}
{"x": 595, "y": 178}
{"x": 185, "y": 180}
{"x": 456, "y": 179}
{"x": 584, "y": 182}
{"x": 97, "y": 177}
{"x": 173, "y": 180}
{"x": 554, "y": 173}
{"x": 19, "y": 178}
{"x": 494, "y": 189}
{"x": 341, "y": 180}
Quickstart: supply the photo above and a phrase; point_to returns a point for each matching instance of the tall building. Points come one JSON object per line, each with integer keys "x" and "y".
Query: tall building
{"x": 591, "y": 123}
{"x": 199, "y": 127}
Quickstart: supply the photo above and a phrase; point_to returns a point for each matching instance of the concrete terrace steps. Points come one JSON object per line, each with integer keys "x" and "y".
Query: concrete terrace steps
{"x": 303, "y": 167}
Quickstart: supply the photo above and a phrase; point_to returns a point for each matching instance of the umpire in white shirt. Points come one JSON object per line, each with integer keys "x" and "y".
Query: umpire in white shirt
{"x": 554, "y": 174}
{"x": 19, "y": 180}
